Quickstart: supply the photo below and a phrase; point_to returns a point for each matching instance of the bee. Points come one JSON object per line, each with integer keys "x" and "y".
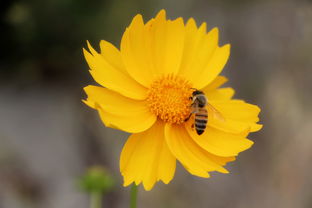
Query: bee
{"x": 201, "y": 108}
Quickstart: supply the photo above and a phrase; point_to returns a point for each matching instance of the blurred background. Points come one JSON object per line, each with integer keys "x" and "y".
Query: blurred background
{"x": 48, "y": 137}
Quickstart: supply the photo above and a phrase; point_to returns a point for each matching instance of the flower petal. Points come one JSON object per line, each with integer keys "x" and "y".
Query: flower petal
{"x": 118, "y": 111}
{"x": 134, "y": 54}
{"x": 220, "y": 143}
{"x": 216, "y": 83}
{"x": 195, "y": 159}
{"x": 214, "y": 66}
{"x": 108, "y": 73}
{"x": 167, "y": 38}
{"x": 153, "y": 49}
{"x": 213, "y": 92}
{"x": 146, "y": 158}
{"x": 112, "y": 55}
{"x": 198, "y": 50}
{"x": 220, "y": 94}
{"x": 238, "y": 115}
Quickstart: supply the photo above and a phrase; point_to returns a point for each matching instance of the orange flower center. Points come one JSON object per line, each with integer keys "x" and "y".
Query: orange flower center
{"x": 168, "y": 98}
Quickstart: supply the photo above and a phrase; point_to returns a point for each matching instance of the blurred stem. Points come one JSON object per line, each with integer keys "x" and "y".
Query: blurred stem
{"x": 133, "y": 196}
{"x": 96, "y": 200}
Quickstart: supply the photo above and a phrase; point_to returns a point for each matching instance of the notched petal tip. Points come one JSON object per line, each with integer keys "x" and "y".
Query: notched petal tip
{"x": 227, "y": 172}
{"x": 105, "y": 45}
{"x": 127, "y": 182}
{"x": 88, "y": 43}
{"x": 215, "y": 30}
{"x": 161, "y": 14}
{"x": 199, "y": 173}
{"x": 86, "y": 53}
{"x": 256, "y": 127}
{"x": 165, "y": 181}
{"x": 225, "y": 50}
{"x": 213, "y": 36}
{"x": 251, "y": 143}
{"x": 147, "y": 186}
{"x": 191, "y": 22}
{"x": 91, "y": 49}
{"x": 179, "y": 20}
{"x": 87, "y": 88}
{"x": 222, "y": 80}
{"x": 258, "y": 109}
{"x": 227, "y": 47}
{"x": 89, "y": 103}
{"x": 137, "y": 20}
{"x": 89, "y": 54}
{"x": 203, "y": 27}
{"x": 89, "y": 58}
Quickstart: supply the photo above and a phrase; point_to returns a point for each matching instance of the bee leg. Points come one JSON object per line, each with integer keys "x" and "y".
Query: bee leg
{"x": 192, "y": 126}
{"x": 188, "y": 117}
{"x": 193, "y": 107}
{"x": 193, "y": 111}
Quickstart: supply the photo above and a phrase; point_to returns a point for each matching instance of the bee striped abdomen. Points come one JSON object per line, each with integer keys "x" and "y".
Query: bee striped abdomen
{"x": 201, "y": 118}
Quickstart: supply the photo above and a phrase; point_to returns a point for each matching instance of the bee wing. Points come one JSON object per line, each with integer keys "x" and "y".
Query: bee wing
{"x": 215, "y": 113}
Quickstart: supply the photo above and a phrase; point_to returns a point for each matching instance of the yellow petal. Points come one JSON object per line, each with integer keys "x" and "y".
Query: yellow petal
{"x": 238, "y": 114}
{"x": 198, "y": 50}
{"x": 238, "y": 109}
{"x": 213, "y": 92}
{"x": 195, "y": 159}
{"x": 229, "y": 126}
{"x": 216, "y": 83}
{"x": 220, "y": 143}
{"x": 214, "y": 66}
{"x": 104, "y": 73}
{"x": 129, "y": 123}
{"x": 120, "y": 112}
{"x": 153, "y": 49}
{"x": 112, "y": 55}
{"x": 133, "y": 52}
{"x": 168, "y": 46}
{"x": 220, "y": 94}
{"x": 146, "y": 158}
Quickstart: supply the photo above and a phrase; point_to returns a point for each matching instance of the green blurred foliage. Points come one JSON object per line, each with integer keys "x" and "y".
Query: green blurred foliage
{"x": 96, "y": 180}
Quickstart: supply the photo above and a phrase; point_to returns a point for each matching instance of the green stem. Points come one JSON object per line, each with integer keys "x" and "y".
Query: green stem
{"x": 133, "y": 196}
{"x": 96, "y": 200}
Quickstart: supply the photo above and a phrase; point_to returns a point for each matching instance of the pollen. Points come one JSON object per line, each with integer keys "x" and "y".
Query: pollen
{"x": 169, "y": 99}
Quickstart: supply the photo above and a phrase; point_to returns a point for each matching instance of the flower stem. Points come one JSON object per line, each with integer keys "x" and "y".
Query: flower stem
{"x": 96, "y": 200}
{"x": 133, "y": 196}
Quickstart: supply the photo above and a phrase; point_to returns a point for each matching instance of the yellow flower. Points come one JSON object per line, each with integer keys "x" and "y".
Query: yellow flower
{"x": 148, "y": 84}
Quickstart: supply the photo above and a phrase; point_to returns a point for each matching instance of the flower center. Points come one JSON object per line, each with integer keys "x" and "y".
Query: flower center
{"x": 168, "y": 98}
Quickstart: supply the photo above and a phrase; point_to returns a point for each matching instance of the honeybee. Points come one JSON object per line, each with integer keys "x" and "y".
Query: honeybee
{"x": 201, "y": 108}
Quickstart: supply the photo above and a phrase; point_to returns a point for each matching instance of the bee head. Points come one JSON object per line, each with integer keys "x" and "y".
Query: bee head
{"x": 197, "y": 92}
{"x": 199, "y": 97}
